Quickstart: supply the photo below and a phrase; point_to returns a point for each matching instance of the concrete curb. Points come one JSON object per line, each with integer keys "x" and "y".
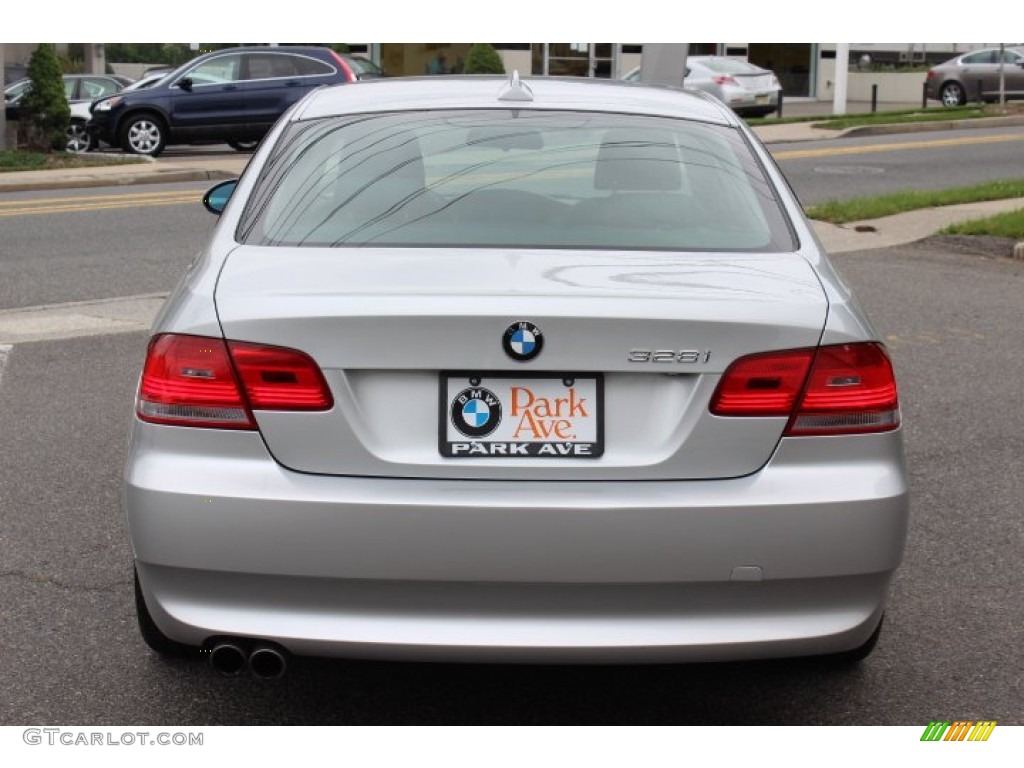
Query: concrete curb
{"x": 976, "y": 123}
{"x": 115, "y": 180}
{"x": 805, "y": 131}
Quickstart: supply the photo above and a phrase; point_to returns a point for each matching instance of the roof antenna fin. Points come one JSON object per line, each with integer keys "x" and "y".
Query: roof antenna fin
{"x": 515, "y": 90}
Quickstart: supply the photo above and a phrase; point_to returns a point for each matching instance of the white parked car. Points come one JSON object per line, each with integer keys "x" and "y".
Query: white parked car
{"x": 746, "y": 88}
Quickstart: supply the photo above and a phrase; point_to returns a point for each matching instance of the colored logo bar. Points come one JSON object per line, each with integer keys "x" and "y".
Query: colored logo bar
{"x": 960, "y": 730}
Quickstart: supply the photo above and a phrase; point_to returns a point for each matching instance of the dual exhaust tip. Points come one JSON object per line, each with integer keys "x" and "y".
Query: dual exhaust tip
{"x": 264, "y": 661}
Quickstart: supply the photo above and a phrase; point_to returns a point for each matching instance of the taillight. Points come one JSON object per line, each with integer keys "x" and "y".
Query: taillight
{"x": 280, "y": 379}
{"x": 832, "y": 390}
{"x": 851, "y": 389}
{"x": 930, "y": 75}
{"x": 349, "y": 74}
{"x": 762, "y": 385}
{"x": 196, "y": 381}
{"x": 725, "y": 80}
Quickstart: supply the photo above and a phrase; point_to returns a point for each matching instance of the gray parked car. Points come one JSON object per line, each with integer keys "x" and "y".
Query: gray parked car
{"x": 746, "y": 88}
{"x": 81, "y": 91}
{"x": 958, "y": 80}
{"x": 481, "y": 369}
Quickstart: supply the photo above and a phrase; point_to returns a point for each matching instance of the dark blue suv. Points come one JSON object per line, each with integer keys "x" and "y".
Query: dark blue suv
{"x": 233, "y": 95}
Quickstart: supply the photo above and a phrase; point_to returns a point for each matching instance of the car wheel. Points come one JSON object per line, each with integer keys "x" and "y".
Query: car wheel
{"x": 952, "y": 95}
{"x": 78, "y": 140}
{"x": 143, "y": 134}
{"x": 244, "y": 146}
{"x": 151, "y": 633}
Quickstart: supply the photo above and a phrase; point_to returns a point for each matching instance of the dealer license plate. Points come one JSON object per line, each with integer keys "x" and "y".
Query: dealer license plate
{"x": 521, "y": 416}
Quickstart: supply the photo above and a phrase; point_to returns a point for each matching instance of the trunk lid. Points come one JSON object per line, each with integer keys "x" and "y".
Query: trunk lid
{"x": 384, "y": 324}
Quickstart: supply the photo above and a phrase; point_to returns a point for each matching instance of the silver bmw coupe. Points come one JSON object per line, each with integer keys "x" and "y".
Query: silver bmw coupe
{"x": 528, "y": 370}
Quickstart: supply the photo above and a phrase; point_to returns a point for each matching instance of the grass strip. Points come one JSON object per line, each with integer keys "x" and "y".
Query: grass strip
{"x": 874, "y": 118}
{"x": 21, "y": 160}
{"x": 1009, "y": 224}
{"x": 862, "y": 208}
{"x": 929, "y": 116}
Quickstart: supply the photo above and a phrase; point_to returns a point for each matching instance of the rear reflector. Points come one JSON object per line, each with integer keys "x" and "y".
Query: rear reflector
{"x": 832, "y": 390}
{"x": 196, "y": 381}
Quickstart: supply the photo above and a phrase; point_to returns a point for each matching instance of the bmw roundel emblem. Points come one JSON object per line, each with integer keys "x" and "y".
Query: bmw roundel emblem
{"x": 522, "y": 341}
{"x": 476, "y": 412}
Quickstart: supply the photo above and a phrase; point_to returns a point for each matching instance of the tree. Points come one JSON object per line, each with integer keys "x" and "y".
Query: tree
{"x": 484, "y": 60}
{"x": 44, "y": 109}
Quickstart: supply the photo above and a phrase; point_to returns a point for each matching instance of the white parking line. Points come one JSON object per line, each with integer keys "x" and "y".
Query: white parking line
{"x": 5, "y": 350}
{"x": 78, "y": 318}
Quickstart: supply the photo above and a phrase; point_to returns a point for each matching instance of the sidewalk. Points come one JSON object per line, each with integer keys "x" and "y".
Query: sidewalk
{"x": 905, "y": 227}
{"x": 151, "y": 172}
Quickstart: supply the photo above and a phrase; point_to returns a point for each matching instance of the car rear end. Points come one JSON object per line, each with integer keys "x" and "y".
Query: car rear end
{"x": 497, "y": 379}
{"x": 746, "y": 88}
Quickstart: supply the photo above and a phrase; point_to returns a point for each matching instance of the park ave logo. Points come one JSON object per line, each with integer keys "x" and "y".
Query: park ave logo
{"x": 542, "y": 418}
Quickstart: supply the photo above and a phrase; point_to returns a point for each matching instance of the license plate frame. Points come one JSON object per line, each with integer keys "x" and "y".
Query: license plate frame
{"x": 584, "y": 395}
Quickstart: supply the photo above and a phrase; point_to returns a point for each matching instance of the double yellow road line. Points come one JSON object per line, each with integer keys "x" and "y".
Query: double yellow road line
{"x": 51, "y": 205}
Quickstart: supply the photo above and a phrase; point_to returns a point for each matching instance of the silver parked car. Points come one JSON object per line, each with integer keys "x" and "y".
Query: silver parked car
{"x": 481, "y": 369}
{"x": 958, "y": 80}
{"x": 746, "y": 88}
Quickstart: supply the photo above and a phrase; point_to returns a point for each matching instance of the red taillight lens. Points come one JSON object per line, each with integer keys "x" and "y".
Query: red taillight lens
{"x": 188, "y": 381}
{"x": 762, "y": 385}
{"x": 279, "y": 379}
{"x": 834, "y": 390}
{"x": 930, "y": 75}
{"x": 192, "y": 381}
{"x": 851, "y": 389}
{"x": 725, "y": 80}
{"x": 349, "y": 74}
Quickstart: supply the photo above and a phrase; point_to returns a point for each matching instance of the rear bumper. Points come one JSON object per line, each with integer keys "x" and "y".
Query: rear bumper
{"x": 228, "y": 542}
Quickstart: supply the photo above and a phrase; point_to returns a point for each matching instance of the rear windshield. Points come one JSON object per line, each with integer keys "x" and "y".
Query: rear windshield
{"x": 731, "y": 66}
{"x": 514, "y": 178}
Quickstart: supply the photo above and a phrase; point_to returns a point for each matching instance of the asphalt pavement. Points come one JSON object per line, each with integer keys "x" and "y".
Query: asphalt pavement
{"x": 950, "y": 649}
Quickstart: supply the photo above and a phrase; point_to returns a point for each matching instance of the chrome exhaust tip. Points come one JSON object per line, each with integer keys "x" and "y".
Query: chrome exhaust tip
{"x": 267, "y": 663}
{"x": 228, "y": 659}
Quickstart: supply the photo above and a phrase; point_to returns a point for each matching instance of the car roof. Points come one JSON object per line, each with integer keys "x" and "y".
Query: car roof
{"x": 482, "y": 92}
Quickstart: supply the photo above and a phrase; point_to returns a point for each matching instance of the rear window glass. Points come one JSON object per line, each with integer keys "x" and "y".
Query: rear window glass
{"x": 730, "y": 66}
{"x": 514, "y": 178}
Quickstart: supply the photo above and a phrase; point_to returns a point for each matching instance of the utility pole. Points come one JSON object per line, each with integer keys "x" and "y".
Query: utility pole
{"x": 664, "y": 63}
{"x": 842, "y": 72}
{"x": 3, "y": 115}
{"x": 1002, "y": 75}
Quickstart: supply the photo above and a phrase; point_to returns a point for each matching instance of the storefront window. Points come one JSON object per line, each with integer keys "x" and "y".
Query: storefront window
{"x": 572, "y": 59}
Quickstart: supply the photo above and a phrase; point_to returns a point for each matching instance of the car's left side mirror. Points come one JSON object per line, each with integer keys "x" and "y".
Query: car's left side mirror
{"x": 216, "y": 198}
{"x": 185, "y": 83}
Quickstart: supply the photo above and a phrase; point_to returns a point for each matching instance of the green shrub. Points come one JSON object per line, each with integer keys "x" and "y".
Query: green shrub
{"x": 484, "y": 60}
{"x": 44, "y": 110}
